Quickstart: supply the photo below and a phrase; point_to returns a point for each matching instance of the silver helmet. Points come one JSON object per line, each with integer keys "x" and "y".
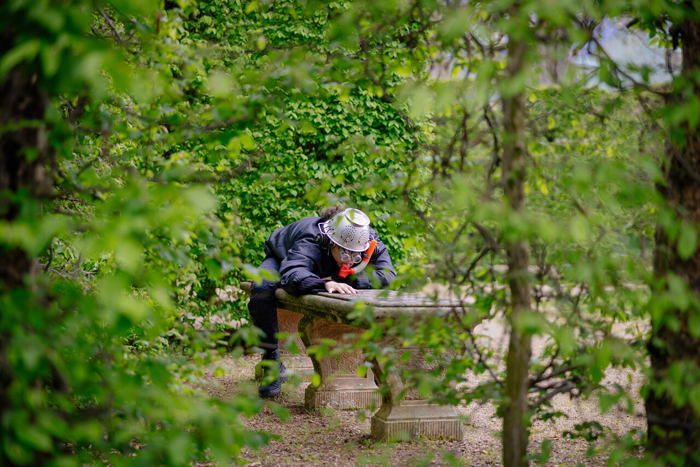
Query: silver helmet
{"x": 348, "y": 229}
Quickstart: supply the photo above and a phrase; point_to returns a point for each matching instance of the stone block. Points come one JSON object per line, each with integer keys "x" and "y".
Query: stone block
{"x": 416, "y": 419}
{"x": 340, "y": 386}
{"x": 344, "y": 392}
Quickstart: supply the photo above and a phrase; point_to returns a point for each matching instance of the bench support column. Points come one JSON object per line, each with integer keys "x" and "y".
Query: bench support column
{"x": 288, "y": 322}
{"x": 340, "y": 386}
{"x": 412, "y": 417}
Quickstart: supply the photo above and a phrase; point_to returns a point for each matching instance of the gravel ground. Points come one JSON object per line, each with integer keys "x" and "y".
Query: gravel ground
{"x": 341, "y": 438}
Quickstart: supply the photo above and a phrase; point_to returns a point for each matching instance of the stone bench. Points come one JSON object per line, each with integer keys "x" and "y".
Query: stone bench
{"x": 325, "y": 316}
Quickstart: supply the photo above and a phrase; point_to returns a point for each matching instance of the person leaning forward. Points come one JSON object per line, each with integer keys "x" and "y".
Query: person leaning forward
{"x": 311, "y": 255}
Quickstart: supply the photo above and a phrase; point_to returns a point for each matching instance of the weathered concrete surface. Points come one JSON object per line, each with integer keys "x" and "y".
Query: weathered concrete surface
{"x": 384, "y": 303}
{"x": 340, "y": 386}
{"x": 410, "y": 419}
{"x": 328, "y": 316}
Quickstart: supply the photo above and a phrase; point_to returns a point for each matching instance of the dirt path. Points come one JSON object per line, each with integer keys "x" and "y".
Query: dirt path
{"x": 341, "y": 438}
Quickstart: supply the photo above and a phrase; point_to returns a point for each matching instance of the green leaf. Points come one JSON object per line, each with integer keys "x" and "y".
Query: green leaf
{"x": 253, "y": 273}
{"x": 50, "y": 58}
{"x": 128, "y": 254}
{"x": 546, "y": 453}
{"x": 213, "y": 268}
{"x": 424, "y": 387}
{"x": 178, "y": 448}
{"x": 220, "y": 84}
{"x": 201, "y": 198}
{"x": 687, "y": 241}
{"x": 247, "y": 141}
{"x": 596, "y": 373}
{"x": 35, "y": 438}
{"x": 694, "y": 322}
{"x": 291, "y": 344}
{"x": 25, "y": 51}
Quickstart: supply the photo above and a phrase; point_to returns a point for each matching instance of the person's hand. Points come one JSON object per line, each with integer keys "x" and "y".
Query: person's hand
{"x": 339, "y": 287}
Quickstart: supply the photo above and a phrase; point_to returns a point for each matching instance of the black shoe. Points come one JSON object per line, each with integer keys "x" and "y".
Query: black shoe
{"x": 275, "y": 387}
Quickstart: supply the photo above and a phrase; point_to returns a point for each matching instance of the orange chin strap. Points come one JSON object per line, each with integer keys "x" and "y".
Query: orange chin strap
{"x": 346, "y": 270}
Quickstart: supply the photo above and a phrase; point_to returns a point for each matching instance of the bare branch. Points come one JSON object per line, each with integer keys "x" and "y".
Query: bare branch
{"x": 496, "y": 160}
{"x": 118, "y": 36}
{"x": 51, "y": 253}
{"x": 565, "y": 386}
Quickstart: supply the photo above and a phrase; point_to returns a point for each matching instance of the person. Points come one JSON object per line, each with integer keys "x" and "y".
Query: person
{"x": 311, "y": 255}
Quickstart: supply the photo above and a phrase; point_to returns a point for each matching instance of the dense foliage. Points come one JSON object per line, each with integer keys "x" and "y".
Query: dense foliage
{"x": 558, "y": 185}
{"x": 146, "y": 152}
{"x": 171, "y": 156}
{"x": 316, "y": 137}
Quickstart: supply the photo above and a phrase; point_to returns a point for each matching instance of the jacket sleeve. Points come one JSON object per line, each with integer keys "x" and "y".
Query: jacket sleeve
{"x": 311, "y": 285}
{"x": 297, "y": 267}
{"x": 383, "y": 272}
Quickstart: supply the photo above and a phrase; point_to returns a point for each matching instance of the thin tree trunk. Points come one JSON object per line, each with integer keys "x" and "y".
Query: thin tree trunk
{"x": 24, "y": 154}
{"x": 515, "y": 407}
{"x": 24, "y": 182}
{"x": 674, "y": 427}
{"x": 23, "y": 157}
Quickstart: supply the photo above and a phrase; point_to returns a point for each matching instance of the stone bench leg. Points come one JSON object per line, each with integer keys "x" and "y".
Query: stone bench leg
{"x": 340, "y": 386}
{"x": 288, "y": 322}
{"x": 301, "y": 363}
{"x": 412, "y": 417}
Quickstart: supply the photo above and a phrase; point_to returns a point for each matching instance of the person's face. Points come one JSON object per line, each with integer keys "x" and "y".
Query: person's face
{"x": 335, "y": 251}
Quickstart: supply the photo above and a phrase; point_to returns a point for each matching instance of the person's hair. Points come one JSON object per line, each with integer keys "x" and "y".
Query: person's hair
{"x": 331, "y": 211}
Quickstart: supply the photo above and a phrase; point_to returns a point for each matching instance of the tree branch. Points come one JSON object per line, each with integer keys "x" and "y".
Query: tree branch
{"x": 566, "y": 386}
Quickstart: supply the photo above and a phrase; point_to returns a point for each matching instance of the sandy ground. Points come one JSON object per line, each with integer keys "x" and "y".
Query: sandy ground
{"x": 341, "y": 438}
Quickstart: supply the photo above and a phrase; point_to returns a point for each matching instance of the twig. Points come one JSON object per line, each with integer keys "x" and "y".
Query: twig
{"x": 560, "y": 371}
{"x": 473, "y": 264}
{"x": 496, "y": 160}
{"x": 111, "y": 25}
{"x": 48, "y": 265}
{"x": 671, "y": 422}
{"x": 481, "y": 358}
{"x": 491, "y": 243}
{"x": 65, "y": 213}
{"x": 566, "y": 386}
{"x": 592, "y": 38}
{"x": 684, "y": 162}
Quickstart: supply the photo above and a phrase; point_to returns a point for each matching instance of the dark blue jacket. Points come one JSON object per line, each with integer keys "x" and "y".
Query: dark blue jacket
{"x": 302, "y": 258}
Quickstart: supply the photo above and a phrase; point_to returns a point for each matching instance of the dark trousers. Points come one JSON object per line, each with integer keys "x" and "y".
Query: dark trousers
{"x": 263, "y": 306}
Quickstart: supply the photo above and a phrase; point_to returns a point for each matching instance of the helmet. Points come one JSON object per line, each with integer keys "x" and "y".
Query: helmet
{"x": 348, "y": 229}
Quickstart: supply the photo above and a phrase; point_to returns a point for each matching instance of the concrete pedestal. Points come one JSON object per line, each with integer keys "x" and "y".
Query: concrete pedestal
{"x": 340, "y": 386}
{"x": 343, "y": 392}
{"x": 410, "y": 416}
{"x": 416, "y": 419}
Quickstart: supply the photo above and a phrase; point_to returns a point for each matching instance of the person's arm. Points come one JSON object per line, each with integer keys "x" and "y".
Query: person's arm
{"x": 297, "y": 276}
{"x": 311, "y": 285}
{"x": 383, "y": 270}
{"x": 296, "y": 271}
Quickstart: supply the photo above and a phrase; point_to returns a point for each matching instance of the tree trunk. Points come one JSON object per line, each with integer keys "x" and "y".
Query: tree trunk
{"x": 24, "y": 182}
{"x": 674, "y": 427}
{"x": 515, "y": 407}
{"x": 23, "y": 158}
